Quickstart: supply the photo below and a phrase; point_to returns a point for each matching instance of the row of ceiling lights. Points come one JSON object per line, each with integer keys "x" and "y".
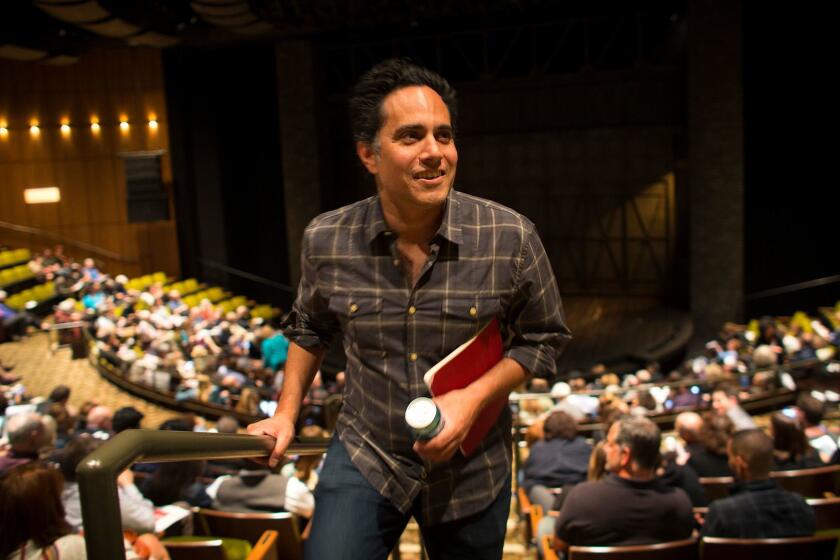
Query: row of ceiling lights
{"x": 65, "y": 127}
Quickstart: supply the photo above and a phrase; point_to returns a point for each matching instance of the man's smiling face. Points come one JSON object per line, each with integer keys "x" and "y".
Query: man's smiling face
{"x": 414, "y": 159}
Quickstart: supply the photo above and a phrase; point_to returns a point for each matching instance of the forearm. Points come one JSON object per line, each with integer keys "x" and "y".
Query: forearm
{"x": 497, "y": 382}
{"x": 301, "y": 366}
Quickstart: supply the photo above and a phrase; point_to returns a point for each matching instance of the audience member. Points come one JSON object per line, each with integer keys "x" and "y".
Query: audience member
{"x": 725, "y": 402}
{"x": 630, "y": 505}
{"x": 561, "y": 458}
{"x": 99, "y": 422}
{"x": 126, "y": 418}
{"x": 257, "y": 490}
{"x": 791, "y": 450}
{"x": 32, "y": 524}
{"x": 688, "y": 426}
{"x": 709, "y": 459}
{"x": 819, "y": 437}
{"x": 27, "y": 434}
{"x": 136, "y": 512}
{"x": 758, "y": 508}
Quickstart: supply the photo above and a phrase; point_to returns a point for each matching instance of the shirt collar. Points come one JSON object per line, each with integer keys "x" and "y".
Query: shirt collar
{"x": 450, "y": 226}
{"x": 754, "y": 486}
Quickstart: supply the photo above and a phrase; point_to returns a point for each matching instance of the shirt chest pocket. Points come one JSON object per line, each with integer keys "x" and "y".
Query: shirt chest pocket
{"x": 463, "y": 316}
{"x": 361, "y": 321}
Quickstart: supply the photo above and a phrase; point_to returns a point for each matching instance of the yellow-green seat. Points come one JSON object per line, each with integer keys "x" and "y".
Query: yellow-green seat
{"x": 235, "y": 549}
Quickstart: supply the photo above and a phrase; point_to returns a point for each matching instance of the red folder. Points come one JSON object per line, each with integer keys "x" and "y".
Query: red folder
{"x": 464, "y": 365}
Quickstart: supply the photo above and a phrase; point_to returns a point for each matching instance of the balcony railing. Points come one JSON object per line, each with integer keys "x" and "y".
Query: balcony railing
{"x": 97, "y": 474}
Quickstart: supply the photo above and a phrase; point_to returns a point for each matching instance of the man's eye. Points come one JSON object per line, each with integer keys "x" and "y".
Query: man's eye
{"x": 409, "y": 138}
{"x": 445, "y": 137}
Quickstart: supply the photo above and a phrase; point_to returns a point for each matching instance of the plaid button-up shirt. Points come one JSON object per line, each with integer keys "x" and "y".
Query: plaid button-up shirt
{"x": 760, "y": 510}
{"x": 486, "y": 261}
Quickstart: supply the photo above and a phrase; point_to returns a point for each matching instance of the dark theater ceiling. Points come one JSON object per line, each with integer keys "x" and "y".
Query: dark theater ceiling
{"x": 58, "y": 31}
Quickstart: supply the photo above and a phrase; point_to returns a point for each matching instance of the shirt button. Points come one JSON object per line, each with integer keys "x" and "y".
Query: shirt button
{"x": 396, "y": 262}
{"x": 353, "y": 308}
{"x": 473, "y": 312}
{"x": 422, "y": 475}
{"x": 413, "y": 356}
{"x": 412, "y": 310}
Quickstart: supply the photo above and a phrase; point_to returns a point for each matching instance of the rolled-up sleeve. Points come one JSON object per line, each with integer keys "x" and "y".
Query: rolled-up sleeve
{"x": 536, "y": 316}
{"x": 310, "y": 323}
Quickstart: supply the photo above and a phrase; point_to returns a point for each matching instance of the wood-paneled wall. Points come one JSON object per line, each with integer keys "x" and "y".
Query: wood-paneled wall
{"x": 104, "y": 86}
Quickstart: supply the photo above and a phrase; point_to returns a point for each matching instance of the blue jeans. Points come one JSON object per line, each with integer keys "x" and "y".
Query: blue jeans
{"x": 354, "y": 521}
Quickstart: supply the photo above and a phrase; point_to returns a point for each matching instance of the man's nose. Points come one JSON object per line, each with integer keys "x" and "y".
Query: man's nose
{"x": 431, "y": 149}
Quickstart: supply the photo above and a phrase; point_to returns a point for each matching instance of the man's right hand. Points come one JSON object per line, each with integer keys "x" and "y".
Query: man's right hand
{"x": 278, "y": 427}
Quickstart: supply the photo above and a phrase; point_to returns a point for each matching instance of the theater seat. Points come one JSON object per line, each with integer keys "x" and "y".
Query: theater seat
{"x": 251, "y": 526}
{"x": 827, "y": 511}
{"x": 811, "y": 483}
{"x": 546, "y": 545}
{"x": 677, "y": 550}
{"x": 811, "y": 548}
{"x": 210, "y": 548}
{"x": 717, "y": 486}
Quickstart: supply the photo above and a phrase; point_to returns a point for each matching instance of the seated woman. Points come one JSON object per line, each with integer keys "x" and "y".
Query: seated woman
{"x": 710, "y": 459}
{"x": 561, "y": 458}
{"x": 791, "y": 450}
{"x": 136, "y": 512}
{"x": 32, "y": 524}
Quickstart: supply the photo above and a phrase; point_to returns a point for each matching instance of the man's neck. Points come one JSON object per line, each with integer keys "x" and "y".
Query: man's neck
{"x": 413, "y": 225}
{"x": 638, "y": 475}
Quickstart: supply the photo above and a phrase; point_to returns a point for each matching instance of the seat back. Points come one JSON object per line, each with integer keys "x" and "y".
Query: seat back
{"x": 195, "y": 550}
{"x": 770, "y": 549}
{"x": 811, "y": 483}
{"x": 677, "y": 550}
{"x": 827, "y": 512}
{"x": 250, "y": 526}
{"x": 717, "y": 486}
{"x": 535, "y": 515}
{"x": 548, "y": 552}
{"x": 266, "y": 547}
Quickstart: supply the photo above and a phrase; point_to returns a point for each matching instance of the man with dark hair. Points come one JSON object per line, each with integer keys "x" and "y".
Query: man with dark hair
{"x": 759, "y": 508}
{"x": 560, "y": 459}
{"x": 126, "y": 418}
{"x": 725, "y": 402}
{"x": 630, "y": 505}
{"x": 405, "y": 277}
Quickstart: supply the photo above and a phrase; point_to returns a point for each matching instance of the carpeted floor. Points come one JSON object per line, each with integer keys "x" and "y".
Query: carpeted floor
{"x": 42, "y": 369}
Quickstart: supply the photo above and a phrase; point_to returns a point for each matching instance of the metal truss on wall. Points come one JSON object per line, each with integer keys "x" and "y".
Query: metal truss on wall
{"x": 606, "y": 244}
{"x": 596, "y": 176}
{"x": 519, "y": 50}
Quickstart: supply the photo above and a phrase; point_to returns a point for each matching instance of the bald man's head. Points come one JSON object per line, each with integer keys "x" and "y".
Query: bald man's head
{"x": 688, "y": 426}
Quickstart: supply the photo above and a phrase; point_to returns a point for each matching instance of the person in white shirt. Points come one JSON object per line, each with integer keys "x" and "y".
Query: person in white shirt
{"x": 260, "y": 490}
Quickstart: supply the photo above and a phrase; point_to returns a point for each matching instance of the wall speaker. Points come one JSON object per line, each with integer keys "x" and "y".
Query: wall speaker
{"x": 146, "y": 197}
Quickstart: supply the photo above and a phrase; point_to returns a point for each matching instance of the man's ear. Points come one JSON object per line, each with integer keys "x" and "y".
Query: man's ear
{"x": 368, "y": 156}
{"x": 626, "y": 458}
{"x": 740, "y": 465}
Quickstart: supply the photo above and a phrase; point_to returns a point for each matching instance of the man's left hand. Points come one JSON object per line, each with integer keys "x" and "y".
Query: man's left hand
{"x": 458, "y": 410}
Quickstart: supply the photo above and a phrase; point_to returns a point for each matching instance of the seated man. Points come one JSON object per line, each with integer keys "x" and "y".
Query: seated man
{"x": 630, "y": 505}
{"x": 27, "y": 435}
{"x": 257, "y": 490}
{"x": 758, "y": 508}
{"x": 725, "y": 402}
{"x": 560, "y": 459}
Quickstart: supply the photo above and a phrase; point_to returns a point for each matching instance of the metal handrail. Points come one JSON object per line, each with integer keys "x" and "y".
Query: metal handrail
{"x": 97, "y": 473}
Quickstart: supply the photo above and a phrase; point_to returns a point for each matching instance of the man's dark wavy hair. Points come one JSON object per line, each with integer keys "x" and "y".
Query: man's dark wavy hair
{"x": 373, "y": 87}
